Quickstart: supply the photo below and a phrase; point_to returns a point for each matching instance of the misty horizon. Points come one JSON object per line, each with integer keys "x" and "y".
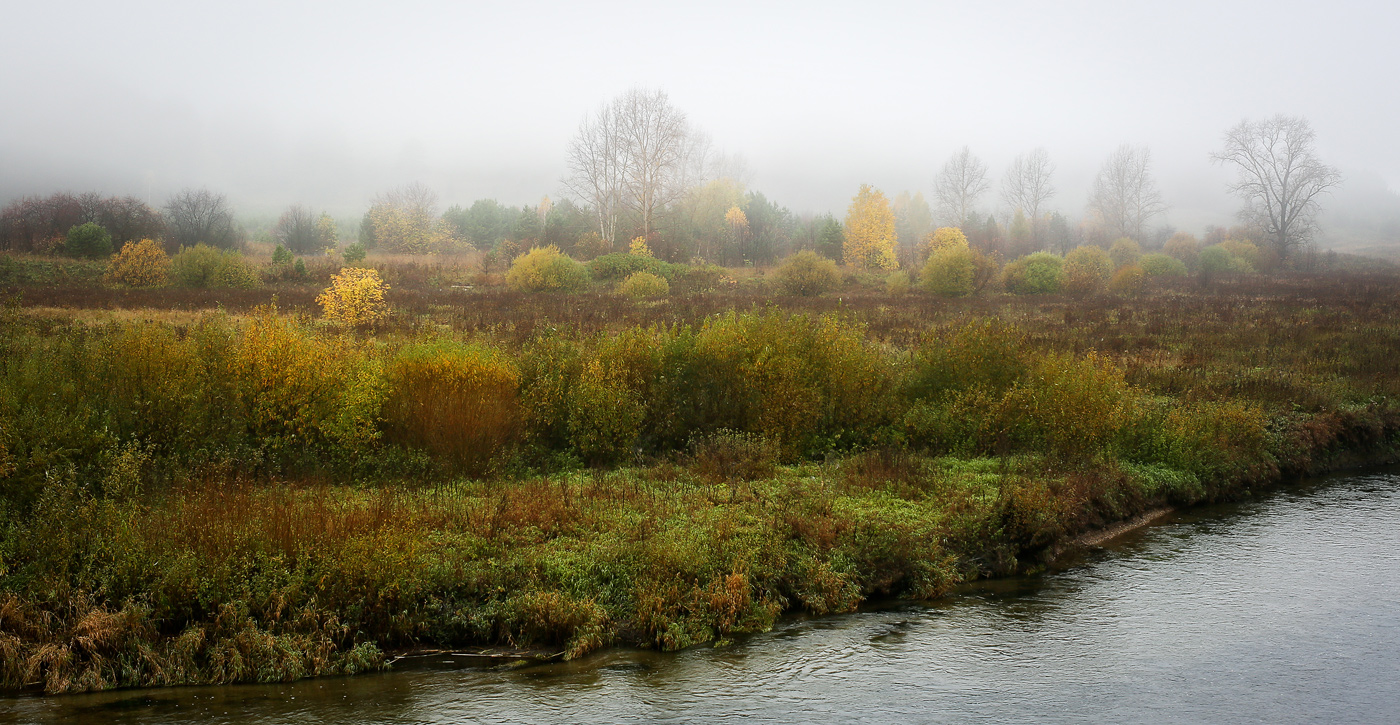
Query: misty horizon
{"x": 329, "y": 107}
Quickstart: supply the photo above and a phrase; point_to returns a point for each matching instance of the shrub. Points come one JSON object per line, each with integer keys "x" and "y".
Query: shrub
{"x": 950, "y": 271}
{"x": 807, "y": 274}
{"x": 546, "y": 269}
{"x": 1128, "y": 280}
{"x": 1086, "y": 270}
{"x": 1183, "y": 247}
{"x": 621, "y": 266}
{"x": 1124, "y": 252}
{"x": 459, "y": 402}
{"x": 298, "y": 389}
{"x": 234, "y": 271}
{"x": 1215, "y": 259}
{"x": 281, "y": 255}
{"x": 1160, "y": 265}
{"x": 194, "y": 266}
{"x": 604, "y": 414}
{"x": 639, "y": 248}
{"x": 1033, "y": 274}
{"x": 726, "y": 455}
{"x": 1246, "y": 252}
{"x": 940, "y": 239}
{"x": 88, "y": 240}
{"x": 897, "y": 283}
{"x": 354, "y": 254}
{"x": 140, "y": 264}
{"x": 643, "y": 285}
{"x": 591, "y": 245}
{"x": 355, "y": 297}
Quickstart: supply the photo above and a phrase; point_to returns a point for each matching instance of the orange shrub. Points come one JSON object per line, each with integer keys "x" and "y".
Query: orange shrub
{"x": 460, "y": 402}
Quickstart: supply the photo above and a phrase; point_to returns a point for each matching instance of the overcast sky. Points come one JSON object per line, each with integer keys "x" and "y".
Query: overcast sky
{"x": 327, "y": 103}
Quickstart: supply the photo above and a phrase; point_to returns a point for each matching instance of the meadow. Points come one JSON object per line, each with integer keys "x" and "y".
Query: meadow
{"x": 218, "y": 484}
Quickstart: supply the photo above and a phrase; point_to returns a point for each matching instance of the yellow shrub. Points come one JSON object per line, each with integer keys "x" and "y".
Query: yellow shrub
{"x": 355, "y": 297}
{"x": 639, "y": 247}
{"x": 140, "y": 264}
{"x": 546, "y": 269}
{"x": 643, "y": 285}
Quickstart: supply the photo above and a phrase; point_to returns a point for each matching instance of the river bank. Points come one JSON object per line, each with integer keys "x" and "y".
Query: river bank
{"x": 1275, "y": 608}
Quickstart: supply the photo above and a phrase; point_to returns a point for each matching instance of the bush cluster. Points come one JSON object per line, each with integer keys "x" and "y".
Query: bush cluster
{"x": 807, "y": 273}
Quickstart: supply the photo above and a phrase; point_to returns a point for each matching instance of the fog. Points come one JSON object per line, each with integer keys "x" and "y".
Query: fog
{"x": 327, "y": 103}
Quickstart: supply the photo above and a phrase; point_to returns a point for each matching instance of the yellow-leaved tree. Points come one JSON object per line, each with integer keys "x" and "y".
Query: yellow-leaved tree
{"x": 940, "y": 239}
{"x": 639, "y": 247}
{"x": 355, "y": 297}
{"x": 870, "y": 232}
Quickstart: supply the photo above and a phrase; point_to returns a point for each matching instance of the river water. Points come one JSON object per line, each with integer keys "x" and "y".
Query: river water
{"x": 1277, "y": 610}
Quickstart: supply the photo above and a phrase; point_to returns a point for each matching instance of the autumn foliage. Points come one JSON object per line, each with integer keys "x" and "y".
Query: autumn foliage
{"x": 870, "y": 231}
{"x": 140, "y": 264}
{"x": 355, "y": 297}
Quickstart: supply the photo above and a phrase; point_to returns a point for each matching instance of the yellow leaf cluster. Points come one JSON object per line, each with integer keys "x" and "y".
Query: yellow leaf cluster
{"x": 355, "y": 297}
{"x": 140, "y": 264}
{"x": 736, "y": 218}
{"x": 639, "y": 247}
{"x": 870, "y": 231}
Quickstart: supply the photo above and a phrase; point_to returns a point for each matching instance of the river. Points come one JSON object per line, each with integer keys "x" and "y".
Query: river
{"x": 1280, "y": 609}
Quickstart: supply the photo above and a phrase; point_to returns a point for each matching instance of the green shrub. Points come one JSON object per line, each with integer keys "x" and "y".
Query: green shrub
{"x": 546, "y": 269}
{"x": 354, "y": 254}
{"x": 807, "y": 274}
{"x": 1034, "y": 274}
{"x": 950, "y": 271}
{"x": 460, "y": 402}
{"x": 88, "y": 240}
{"x": 195, "y": 266}
{"x": 281, "y": 255}
{"x": 644, "y": 285}
{"x": 621, "y": 265}
{"x": 1086, "y": 270}
{"x": 1215, "y": 259}
{"x": 897, "y": 283}
{"x": 1157, "y": 265}
{"x": 233, "y": 271}
{"x": 989, "y": 355}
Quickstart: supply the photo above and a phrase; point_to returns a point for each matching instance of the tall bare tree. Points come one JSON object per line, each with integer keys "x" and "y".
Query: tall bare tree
{"x": 960, "y": 183}
{"x": 657, "y": 151}
{"x": 199, "y": 215}
{"x": 297, "y": 229}
{"x": 1028, "y": 184}
{"x": 1125, "y": 196}
{"x": 1280, "y": 178}
{"x": 596, "y": 169}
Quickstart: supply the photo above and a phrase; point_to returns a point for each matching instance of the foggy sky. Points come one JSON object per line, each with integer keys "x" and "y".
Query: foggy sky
{"x": 327, "y": 103}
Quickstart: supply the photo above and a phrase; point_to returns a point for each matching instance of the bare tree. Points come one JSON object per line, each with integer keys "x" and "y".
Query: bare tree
{"x": 596, "y": 169}
{"x": 1125, "y": 196}
{"x": 1028, "y": 184}
{"x": 1280, "y": 178}
{"x": 637, "y": 152}
{"x": 199, "y": 215}
{"x": 657, "y": 149}
{"x": 960, "y": 183}
{"x": 297, "y": 229}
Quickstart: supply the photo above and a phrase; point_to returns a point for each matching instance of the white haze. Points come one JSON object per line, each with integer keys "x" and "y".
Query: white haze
{"x": 328, "y": 103}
